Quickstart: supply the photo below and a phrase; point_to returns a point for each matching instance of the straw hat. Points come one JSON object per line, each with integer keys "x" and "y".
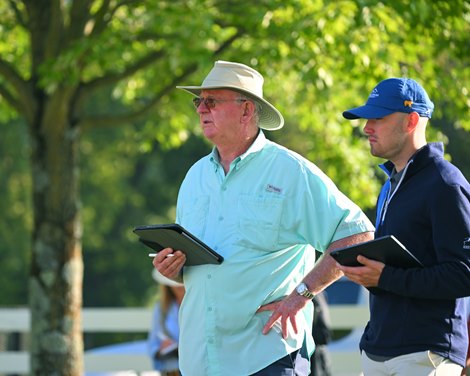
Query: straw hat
{"x": 246, "y": 80}
{"x": 161, "y": 279}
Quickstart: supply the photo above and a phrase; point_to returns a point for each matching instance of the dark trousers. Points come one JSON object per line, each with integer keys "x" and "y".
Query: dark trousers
{"x": 170, "y": 373}
{"x": 320, "y": 362}
{"x": 291, "y": 365}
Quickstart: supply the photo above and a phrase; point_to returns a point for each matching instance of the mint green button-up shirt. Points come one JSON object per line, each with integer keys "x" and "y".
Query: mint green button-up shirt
{"x": 266, "y": 217}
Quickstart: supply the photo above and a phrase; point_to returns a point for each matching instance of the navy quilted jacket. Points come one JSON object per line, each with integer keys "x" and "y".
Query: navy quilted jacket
{"x": 422, "y": 309}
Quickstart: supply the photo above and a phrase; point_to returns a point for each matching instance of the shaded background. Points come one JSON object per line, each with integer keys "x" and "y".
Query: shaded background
{"x": 139, "y": 135}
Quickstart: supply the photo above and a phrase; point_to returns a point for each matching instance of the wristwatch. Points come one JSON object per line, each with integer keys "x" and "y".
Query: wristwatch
{"x": 302, "y": 289}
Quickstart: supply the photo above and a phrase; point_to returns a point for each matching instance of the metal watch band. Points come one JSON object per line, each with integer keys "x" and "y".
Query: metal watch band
{"x": 302, "y": 289}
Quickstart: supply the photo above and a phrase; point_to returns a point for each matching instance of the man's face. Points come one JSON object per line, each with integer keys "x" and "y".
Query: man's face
{"x": 387, "y": 135}
{"x": 222, "y": 122}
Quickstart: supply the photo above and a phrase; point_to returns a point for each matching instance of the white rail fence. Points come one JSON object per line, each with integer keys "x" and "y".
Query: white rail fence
{"x": 137, "y": 320}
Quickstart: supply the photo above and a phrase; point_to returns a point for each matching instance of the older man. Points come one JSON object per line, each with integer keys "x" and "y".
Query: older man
{"x": 265, "y": 209}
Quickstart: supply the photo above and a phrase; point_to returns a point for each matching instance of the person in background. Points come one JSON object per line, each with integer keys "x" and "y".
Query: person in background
{"x": 320, "y": 362}
{"x": 417, "y": 320}
{"x": 163, "y": 336}
{"x": 266, "y": 210}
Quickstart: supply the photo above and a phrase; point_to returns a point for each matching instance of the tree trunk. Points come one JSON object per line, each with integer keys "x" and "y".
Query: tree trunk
{"x": 56, "y": 265}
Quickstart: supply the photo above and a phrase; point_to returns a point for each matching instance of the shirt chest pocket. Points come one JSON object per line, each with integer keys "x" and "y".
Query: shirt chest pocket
{"x": 259, "y": 221}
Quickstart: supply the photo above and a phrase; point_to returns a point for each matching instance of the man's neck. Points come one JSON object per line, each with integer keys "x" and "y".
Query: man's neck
{"x": 405, "y": 156}
{"x": 229, "y": 152}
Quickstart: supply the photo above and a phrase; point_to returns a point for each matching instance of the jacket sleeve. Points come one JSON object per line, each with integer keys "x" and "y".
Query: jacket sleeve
{"x": 449, "y": 276}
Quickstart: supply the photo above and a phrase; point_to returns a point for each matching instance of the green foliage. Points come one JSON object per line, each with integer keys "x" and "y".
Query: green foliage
{"x": 318, "y": 58}
{"x": 124, "y": 186}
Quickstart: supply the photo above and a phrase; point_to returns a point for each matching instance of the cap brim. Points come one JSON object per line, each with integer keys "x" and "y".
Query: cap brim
{"x": 367, "y": 112}
{"x": 269, "y": 117}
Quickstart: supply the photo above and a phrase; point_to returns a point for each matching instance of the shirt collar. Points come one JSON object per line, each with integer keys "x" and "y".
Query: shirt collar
{"x": 257, "y": 145}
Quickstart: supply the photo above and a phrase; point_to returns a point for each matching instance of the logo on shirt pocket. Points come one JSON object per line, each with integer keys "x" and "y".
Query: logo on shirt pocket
{"x": 272, "y": 188}
{"x": 466, "y": 243}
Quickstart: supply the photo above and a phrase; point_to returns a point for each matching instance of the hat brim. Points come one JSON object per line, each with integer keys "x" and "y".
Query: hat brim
{"x": 367, "y": 112}
{"x": 269, "y": 117}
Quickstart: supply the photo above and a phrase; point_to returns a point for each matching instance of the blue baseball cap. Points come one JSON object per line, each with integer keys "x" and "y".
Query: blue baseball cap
{"x": 393, "y": 95}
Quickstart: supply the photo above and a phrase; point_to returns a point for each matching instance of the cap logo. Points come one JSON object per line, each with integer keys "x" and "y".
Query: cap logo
{"x": 408, "y": 103}
{"x": 374, "y": 94}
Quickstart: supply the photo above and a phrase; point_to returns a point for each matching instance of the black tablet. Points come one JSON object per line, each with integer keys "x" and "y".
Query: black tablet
{"x": 175, "y": 236}
{"x": 386, "y": 249}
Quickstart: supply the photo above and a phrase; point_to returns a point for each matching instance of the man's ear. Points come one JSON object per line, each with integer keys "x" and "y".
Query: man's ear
{"x": 248, "y": 109}
{"x": 413, "y": 120}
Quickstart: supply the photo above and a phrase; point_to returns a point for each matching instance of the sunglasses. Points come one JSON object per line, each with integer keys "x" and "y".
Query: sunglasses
{"x": 211, "y": 102}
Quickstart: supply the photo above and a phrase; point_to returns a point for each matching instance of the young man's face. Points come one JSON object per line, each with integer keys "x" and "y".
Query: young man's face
{"x": 387, "y": 136}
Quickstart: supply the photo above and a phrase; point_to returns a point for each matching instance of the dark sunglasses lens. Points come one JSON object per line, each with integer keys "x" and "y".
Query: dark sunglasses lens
{"x": 208, "y": 102}
{"x": 197, "y": 101}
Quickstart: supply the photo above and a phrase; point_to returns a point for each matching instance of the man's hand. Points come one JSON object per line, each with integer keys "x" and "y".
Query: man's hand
{"x": 286, "y": 311}
{"x": 324, "y": 273}
{"x": 169, "y": 263}
{"x": 367, "y": 275}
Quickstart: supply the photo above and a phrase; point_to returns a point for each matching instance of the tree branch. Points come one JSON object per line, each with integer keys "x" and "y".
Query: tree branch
{"x": 46, "y": 27}
{"x": 79, "y": 16}
{"x": 87, "y": 88}
{"x": 10, "y": 75}
{"x": 122, "y": 119}
{"x": 22, "y": 100}
{"x": 11, "y": 100}
{"x": 105, "y": 14}
{"x": 19, "y": 16}
{"x": 229, "y": 42}
{"x": 99, "y": 17}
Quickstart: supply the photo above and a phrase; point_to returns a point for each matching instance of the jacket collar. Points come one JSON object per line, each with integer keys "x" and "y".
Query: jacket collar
{"x": 422, "y": 157}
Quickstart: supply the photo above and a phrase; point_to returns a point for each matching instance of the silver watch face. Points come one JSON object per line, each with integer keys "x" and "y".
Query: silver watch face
{"x": 301, "y": 288}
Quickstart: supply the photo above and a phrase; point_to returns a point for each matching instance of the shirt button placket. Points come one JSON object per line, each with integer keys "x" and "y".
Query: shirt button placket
{"x": 210, "y": 335}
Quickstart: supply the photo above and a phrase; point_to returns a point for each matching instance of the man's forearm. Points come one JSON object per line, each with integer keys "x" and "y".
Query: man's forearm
{"x": 325, "y": 271}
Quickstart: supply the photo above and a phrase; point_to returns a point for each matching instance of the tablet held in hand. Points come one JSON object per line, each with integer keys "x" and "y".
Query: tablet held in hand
{"x": 158, "y": 237}
{"x": 386, "y": 249}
